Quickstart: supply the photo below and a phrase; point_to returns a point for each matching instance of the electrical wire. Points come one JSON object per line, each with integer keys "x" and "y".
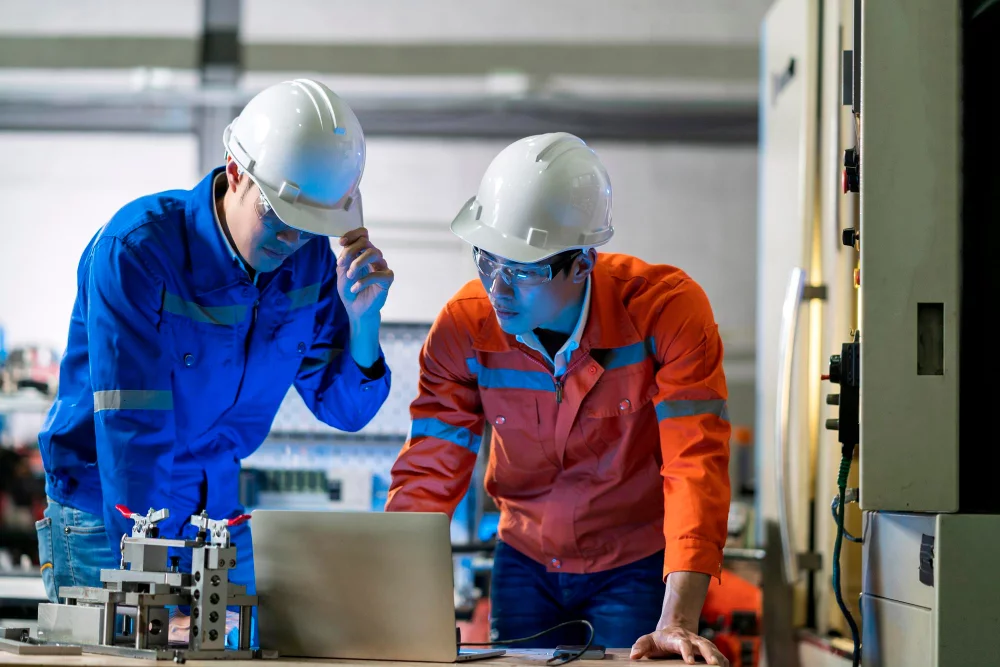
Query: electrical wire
{"x": 833, "y": 510}
{"x": 845, "y": 469}
{"x": 561, "y": 660}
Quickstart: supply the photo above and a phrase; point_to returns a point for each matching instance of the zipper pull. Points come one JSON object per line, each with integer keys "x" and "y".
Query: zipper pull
{"x": 558, "y": 392}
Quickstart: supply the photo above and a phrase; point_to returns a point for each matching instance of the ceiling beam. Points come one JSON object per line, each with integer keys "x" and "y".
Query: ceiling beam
{"x": 682, "y": 123}
{"x": 678, "y": 61}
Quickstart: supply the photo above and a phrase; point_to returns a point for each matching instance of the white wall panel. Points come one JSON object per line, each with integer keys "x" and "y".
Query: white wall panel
{"x": 57, "y": 190}
{"x": 451, "y": 21}
{"x": 128, "y": 18}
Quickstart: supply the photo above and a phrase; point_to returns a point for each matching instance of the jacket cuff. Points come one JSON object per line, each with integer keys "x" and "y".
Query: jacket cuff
{"x": 691, "y": 554}
{"x": 366, "y": 378}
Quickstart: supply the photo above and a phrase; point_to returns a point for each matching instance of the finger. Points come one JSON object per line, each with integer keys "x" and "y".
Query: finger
{"x": 711, "y": 654}
{"x": 353, "y": 250}
{"x": 353, "y": 235}
{"x": 368, "y": 256}
{"x": 642, "y": 648}
{"x": 382, "y": 278}
{"x": 686, "y": 650}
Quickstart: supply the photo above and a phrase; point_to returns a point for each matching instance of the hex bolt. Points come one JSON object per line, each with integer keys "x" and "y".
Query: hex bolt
{"x": 216, "y": 580}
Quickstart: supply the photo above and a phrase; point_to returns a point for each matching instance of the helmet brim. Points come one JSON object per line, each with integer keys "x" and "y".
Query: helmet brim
{"x": 313, "y": 219}
{"x": 472, "y": 231}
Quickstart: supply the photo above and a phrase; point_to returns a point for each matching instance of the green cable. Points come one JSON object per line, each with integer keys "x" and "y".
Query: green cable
{"x": 845, "y": 469}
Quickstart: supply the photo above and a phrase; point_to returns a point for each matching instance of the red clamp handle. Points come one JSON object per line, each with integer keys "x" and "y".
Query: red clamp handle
{"x": 125, "y": 512}
{"x": 237, "y": 520}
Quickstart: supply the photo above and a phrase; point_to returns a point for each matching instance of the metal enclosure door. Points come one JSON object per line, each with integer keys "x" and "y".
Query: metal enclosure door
{"x": 785, "y": 213}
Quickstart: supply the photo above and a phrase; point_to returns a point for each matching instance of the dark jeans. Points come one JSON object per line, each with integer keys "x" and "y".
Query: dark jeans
{"x": 622, "y": 604}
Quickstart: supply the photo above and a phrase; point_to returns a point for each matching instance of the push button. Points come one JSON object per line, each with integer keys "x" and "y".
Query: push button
{"x": 302, "y": 348}
{"x": 556, "y": 563}
{"x": 189, "y": 360}
{"x": 625, "y": 405}
{"x": 500, "y": 420}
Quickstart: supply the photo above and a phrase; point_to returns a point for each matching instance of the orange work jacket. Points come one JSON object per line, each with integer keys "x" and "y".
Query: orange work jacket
{"x": 625, "y": 454}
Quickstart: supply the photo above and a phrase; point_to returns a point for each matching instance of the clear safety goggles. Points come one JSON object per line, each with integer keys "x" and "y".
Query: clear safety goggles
{"x": 270, "y": 219}
{"x": 518, "y": 275}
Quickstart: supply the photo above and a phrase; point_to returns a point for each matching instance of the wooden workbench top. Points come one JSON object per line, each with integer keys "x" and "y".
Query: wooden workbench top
{"x": 514, "y": 657}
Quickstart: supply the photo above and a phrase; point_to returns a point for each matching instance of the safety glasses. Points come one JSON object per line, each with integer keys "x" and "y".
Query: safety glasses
{"x": 519, "y": 275}
{"x": 270, "y": 219}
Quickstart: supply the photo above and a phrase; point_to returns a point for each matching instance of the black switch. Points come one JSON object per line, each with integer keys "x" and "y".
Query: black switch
{"x": 850, "y": 237}
{"x": 852, "y": 171}
{"x": 835, "y": 368}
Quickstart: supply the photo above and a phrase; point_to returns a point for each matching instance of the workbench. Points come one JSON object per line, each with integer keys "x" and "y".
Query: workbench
{"x": 513, "y": 659}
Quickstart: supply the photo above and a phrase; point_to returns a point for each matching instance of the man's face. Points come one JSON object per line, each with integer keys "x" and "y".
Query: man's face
{"x": 527, "y": 304}
{"x": 262, "y": 239}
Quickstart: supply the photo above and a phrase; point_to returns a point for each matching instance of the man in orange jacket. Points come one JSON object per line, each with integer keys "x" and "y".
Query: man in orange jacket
{"x": 601, "y": 378}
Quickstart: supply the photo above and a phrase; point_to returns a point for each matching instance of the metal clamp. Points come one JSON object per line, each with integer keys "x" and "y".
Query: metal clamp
{"x": 144, "y": 526}
{"x": 217, "y": 530}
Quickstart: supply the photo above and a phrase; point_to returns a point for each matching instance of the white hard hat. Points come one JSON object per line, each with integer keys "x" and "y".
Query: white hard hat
{"x": 540, "y": 196}
{"x": 303, "y": 146}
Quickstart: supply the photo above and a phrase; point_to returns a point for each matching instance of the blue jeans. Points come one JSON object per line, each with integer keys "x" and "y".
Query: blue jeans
{"x": 73, "y": 548}
{"x": 622, "y": 604}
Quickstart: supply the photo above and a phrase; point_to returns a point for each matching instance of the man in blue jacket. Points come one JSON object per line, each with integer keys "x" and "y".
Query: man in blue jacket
{"x": 196, "y": 311}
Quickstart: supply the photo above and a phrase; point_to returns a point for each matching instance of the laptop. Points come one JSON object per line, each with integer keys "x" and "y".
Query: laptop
{"x": 357, "y": 585}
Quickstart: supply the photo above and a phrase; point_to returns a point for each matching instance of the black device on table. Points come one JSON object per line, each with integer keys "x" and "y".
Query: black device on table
{"x": 595, "y": 652}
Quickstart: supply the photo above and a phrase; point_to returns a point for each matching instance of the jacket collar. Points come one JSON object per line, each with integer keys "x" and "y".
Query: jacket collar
{"x": 213, "y": 262}
{"x": 608, "y": 322}
{"x": 609, "y": 325}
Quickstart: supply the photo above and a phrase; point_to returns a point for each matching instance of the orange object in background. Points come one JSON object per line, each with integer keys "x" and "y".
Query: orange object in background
{"x": 478, "y": 628}
{"x": 742, "y": 436}
{"x": 731, "y": 618}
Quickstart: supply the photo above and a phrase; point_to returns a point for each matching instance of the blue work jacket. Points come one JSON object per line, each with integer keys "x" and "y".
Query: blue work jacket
{"x": 177, "y": 363}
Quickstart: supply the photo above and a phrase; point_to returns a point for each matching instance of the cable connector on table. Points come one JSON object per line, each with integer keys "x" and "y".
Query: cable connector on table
{"x": 575, "y": 655}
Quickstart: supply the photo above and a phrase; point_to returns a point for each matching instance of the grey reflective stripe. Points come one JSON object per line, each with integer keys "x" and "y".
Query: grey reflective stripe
{"x": 631, "y": 354}
{"x": 306, "y": 296}
{"x": 675, "y": 409}
{"x": 133, "y": 399}
{"x": 320, "y": 359}
{"x": 225, "y": 315}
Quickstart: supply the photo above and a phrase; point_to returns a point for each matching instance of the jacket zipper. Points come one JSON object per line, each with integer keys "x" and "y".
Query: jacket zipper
{"x": 555, "y": 381}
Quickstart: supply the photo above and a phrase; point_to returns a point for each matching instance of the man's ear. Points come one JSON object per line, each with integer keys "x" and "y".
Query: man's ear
{"x": 233, "y": 175}
{"x": 583, "y": 265}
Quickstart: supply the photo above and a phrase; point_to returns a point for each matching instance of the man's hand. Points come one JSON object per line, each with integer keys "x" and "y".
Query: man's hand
{"x": 180, "y": 625}
{"x": 363, "y": 277}
{"x": 673, "y": 639}
{"x": 677, "y": 629}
